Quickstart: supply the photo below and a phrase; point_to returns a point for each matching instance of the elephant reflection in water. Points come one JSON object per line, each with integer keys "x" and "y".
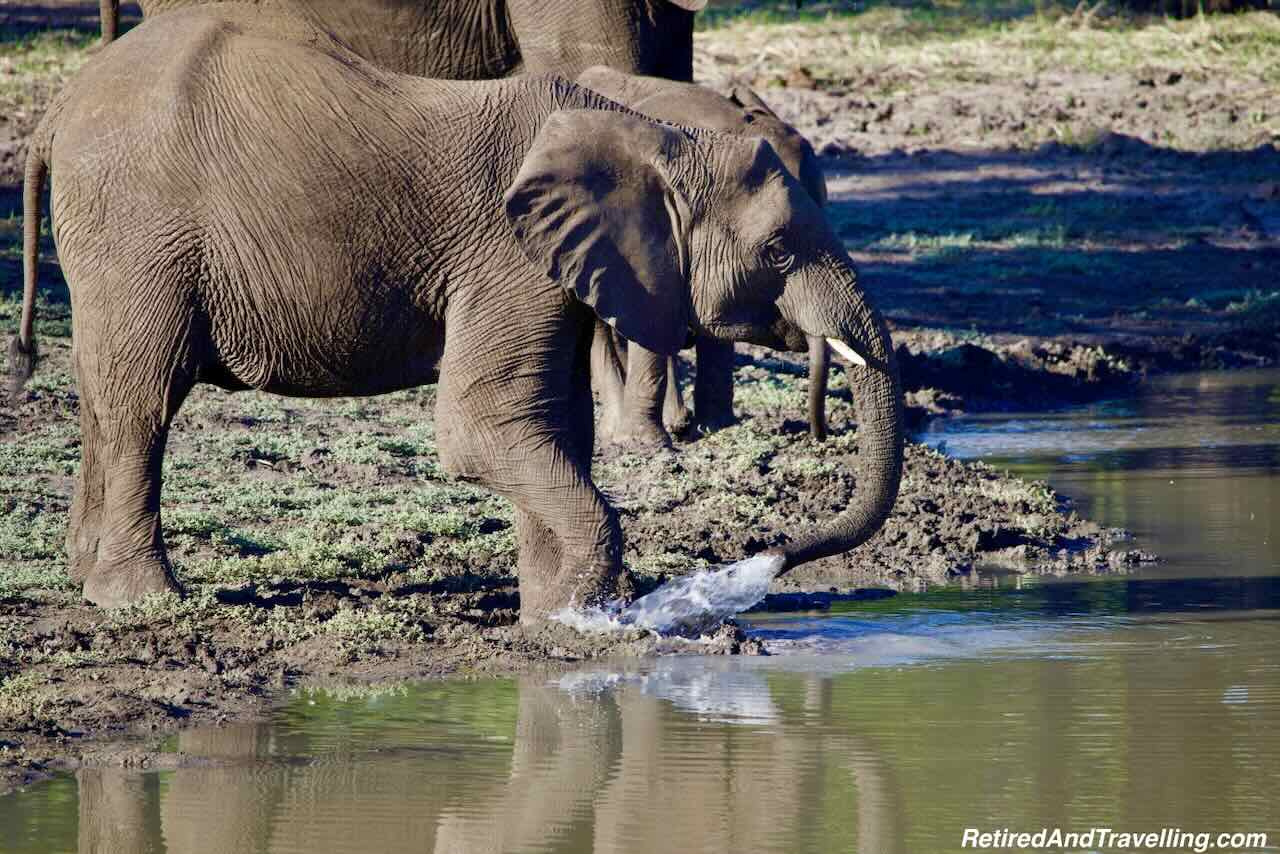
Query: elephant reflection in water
{"x": 116, "y": 811}
{"x": 613, "y": 771}
{"x": 643, "y": 782}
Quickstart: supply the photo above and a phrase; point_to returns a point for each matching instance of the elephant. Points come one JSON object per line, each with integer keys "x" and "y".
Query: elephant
{"x": 631, "y": 407}
{"x": 484, "y": 39}
{"x": 263, "y": 209}
{"x": 561, "y": 771}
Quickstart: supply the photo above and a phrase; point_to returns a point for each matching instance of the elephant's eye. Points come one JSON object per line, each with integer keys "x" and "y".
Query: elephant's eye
{"x": 778, "y": 257}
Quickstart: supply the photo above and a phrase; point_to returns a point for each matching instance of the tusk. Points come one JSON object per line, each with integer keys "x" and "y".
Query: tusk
{"x": 846, "y": 351}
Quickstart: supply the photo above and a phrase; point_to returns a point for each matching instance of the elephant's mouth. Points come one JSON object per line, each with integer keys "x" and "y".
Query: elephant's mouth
{"x": 774, "y": 333}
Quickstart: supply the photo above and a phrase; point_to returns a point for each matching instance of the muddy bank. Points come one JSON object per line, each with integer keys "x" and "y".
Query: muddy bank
{"x": 319, "y": 543}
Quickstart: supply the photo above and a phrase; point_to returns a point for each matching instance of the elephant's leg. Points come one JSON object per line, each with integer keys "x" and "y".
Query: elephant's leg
{"x": 109, "y": 20}
{"x": 713, "y": 385}
{"x": 675, "y": 415}
{"x": 819, "y": 373}
{"x": 558, "y": 565}
{"x": 643, "y": 398}
{"x": 537, "y": 454}
{"x": 537, "y": 566}
{"x": 86, "y": 505}
{"x": 608, "y": 379}
{"x": 130, "y": 434}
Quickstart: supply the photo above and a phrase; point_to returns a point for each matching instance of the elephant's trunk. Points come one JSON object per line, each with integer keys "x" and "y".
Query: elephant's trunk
{"x": 819, "y": 367}
{"x": 877, "y": 397}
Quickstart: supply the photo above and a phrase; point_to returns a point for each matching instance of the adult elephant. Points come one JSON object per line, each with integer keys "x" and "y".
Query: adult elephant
{"x": 411, "y": 231}
{"x": 486, "y": 39}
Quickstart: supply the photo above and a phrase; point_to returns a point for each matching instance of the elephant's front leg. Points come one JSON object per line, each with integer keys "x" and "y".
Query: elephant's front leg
{"x": 526, "y": 432}
{"x": 608, "y": 380}
{"x": 713, "y": 385}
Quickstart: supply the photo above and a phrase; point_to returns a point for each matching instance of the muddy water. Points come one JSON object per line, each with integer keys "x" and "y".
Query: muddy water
{"x": 1134, "y": 704}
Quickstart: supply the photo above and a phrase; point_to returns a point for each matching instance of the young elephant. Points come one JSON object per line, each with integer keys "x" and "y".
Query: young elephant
{"x": 263, "y": 209}
{"x": 636, "y": 411}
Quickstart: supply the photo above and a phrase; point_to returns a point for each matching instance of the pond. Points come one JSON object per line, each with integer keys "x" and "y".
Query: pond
{"x": 1139, "y": 704}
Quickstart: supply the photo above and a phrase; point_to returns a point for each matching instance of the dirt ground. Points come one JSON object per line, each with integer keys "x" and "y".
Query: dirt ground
{"x": 1044, "y": 218}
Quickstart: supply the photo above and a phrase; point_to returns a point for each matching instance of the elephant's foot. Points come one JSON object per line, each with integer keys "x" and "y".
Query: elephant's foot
{"x": 715, "y": 420}
{"x": 82, "y": 552}
{"x": 576, "y": 590}
{"x": 639, "y": 435}
{"x": 114, "y": 584}
{"x": 676, "y": 419}
{"x": 713, "y": 386}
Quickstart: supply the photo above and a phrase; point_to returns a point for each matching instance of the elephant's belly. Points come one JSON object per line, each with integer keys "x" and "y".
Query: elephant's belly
{"x": 325, "y": 364}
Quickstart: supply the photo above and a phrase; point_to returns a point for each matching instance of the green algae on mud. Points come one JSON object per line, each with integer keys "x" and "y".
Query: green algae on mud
{"x": 318, "y": 540}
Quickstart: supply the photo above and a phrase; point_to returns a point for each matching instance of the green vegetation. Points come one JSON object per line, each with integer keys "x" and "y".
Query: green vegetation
{"x": 22, "y": 697}
{"x": 38, "y": 62}
{"x": 970, "y": 41}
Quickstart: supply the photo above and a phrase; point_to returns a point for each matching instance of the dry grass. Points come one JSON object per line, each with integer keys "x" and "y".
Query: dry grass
{"x": 963, "y": 43}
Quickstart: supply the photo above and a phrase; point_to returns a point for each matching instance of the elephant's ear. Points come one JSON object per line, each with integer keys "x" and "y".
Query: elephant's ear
{"x": 593, "y": 208}
{"x": 689, "y": 5}
{"x": 746, "y": 98}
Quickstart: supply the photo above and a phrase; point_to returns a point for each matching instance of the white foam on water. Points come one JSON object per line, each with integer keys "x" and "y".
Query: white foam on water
{"x": 689, "y": 605}
{"x": 712, "y": 692}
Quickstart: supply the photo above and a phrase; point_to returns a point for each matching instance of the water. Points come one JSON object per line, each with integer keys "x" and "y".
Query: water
{"x": 687, "y": 606}
{"x": 1132, "y": 703}
{"x": 1190, "y": 466}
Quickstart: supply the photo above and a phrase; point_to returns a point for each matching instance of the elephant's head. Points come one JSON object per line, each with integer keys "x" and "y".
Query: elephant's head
{"x": 742, "y": 113}
{"x": 660, "y": 229}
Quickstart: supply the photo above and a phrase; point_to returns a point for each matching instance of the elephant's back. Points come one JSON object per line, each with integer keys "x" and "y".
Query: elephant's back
{"x": 443, "y": 39}
{"x": 210, "y": 88}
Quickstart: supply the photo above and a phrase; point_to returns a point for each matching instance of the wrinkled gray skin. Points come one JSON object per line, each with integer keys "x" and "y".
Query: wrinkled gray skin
{"x": 260, "y": 208}
{"x": 632, "y": 399}
{"x": 486, "y": 39}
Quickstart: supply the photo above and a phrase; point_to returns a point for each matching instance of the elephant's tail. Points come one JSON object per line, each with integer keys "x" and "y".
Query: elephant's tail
{"x": 22, "y": 349}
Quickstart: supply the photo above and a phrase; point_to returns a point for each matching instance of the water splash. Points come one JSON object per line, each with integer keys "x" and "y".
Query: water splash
{"x": 689, "y": 605}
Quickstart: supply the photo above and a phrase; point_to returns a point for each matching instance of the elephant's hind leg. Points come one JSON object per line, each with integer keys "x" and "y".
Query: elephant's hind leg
{"x": 133, "y": 399}
{"x": 86, "y": 505}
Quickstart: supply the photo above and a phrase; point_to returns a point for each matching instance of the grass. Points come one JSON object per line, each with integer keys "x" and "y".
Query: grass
{"x": 34, "y": 64}
{"x": 22, "y": 698}
{"x": 970, "y": 41}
